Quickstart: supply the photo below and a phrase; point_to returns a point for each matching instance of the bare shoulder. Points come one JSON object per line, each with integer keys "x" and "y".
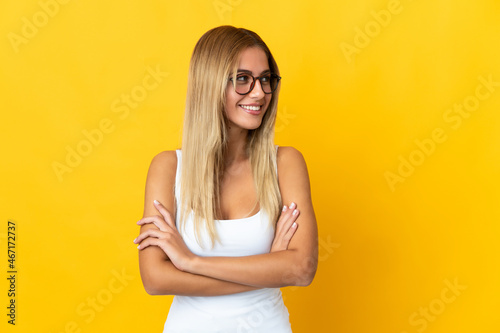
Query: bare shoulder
{"x": 160, "y": 182}
{"x": 290, "y": 159}
{"x": 293, "y": 177}
{"x": 163, "y": 168}
{"x": 166, "y": 159}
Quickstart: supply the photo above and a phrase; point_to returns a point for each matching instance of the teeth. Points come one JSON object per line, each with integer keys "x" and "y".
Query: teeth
{"x": 251, "y": 107}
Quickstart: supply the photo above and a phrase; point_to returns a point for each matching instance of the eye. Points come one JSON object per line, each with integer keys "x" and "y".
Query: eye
{"x": 243, "y": 78}
{"x": 266, "y": 79}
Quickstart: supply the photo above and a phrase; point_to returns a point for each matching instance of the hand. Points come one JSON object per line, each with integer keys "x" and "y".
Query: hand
{"x": 285, "y": 228}
{"x": 166, "y": 237}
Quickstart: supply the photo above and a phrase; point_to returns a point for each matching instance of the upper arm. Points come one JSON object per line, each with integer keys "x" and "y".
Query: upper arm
{"x": 160, "y": 185}
{"x": 294, "y": 185}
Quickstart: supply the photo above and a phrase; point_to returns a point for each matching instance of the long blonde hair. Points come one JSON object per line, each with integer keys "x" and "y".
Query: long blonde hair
{"x": 204, "y": 142}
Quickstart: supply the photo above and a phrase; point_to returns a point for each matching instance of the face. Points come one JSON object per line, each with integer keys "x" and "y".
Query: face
{"x": 247, "y": 111}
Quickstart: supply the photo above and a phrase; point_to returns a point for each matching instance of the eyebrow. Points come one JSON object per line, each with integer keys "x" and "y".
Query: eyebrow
{"x": 250, "y": 72}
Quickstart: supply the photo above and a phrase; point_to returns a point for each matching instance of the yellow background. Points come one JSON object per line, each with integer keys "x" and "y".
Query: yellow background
{"x": 388, "y": 249}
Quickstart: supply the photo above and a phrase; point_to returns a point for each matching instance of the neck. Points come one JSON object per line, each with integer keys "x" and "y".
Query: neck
{"x": 236, "y": 146}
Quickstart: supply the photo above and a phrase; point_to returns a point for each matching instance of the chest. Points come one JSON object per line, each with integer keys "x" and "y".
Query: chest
{"x": 238, "y": 196}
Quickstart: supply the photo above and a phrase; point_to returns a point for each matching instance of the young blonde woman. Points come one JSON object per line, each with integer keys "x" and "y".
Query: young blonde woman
{"x": 228, "y": 219}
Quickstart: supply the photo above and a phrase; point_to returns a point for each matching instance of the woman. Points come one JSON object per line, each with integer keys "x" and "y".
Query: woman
{"x": 232, "y": 244}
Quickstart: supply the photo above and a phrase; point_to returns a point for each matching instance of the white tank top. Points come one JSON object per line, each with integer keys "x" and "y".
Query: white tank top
{"x": 259, "y": 310}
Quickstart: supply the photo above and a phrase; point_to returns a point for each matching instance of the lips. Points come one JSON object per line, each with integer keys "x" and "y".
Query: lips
{"x": 254, "y": 109}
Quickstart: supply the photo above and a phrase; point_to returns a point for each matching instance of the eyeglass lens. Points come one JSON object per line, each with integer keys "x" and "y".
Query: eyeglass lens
{"x": 245, "y": 82}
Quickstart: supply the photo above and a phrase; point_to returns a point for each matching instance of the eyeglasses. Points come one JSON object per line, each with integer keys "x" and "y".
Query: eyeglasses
{"x": 245, "y": 83}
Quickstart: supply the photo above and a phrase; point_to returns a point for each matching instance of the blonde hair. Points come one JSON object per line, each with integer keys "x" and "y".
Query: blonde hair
{"x": 204, "y": 142}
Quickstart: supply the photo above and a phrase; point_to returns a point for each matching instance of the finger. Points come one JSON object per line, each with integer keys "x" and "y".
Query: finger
{"x": 281, "y": 242}
{"x": 150, "y": 241}
{"x": 157, "y": 220}
{"x": 287, "y": 225}
{"x": 283, "y": 213}
{"x": 288, "y": 216}
{"x": 166, "y": 214}
{"x": 288, "y": 211}
{"x": 290, "y": 232}
{"x": 149, "y": 233}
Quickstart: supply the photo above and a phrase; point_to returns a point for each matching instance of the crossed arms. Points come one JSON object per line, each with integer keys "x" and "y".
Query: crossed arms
{"x": 168, "y": 267}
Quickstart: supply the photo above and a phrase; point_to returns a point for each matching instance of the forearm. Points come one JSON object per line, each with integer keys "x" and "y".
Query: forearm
{"x": 270, "y": 270}
{"x": 163, "y": 278}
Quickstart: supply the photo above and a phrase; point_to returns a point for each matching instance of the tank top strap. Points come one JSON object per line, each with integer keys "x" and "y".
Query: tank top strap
{"x": 276, "y": 160}
{"x": 178, "y": 174}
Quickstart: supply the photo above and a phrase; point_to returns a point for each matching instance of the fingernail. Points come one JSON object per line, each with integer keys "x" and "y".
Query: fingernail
{"x": 284, "y": 208}
{"x": 294, "y": 225}
{"x": 295, "y": 212}
{"x": 138, "y": 246}
{"x": 135, "y": 240}
{"x": 156, "y": 202}
{"x": 292, "y": 205}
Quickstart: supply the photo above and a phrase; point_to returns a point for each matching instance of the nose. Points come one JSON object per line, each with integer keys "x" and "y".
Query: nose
{"x": 257, "y": 91}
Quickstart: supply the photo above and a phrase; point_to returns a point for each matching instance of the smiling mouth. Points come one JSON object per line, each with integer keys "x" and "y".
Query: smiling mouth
{"x": 251, "y": 107}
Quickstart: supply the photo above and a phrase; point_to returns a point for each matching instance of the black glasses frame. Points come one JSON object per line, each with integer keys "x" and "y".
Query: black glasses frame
{"x": 260, "y": 79}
